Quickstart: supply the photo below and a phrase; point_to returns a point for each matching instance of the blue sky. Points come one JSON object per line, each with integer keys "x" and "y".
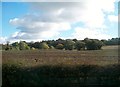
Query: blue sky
{"x": 50, "y": 20}
{"x": 12, "y": 10}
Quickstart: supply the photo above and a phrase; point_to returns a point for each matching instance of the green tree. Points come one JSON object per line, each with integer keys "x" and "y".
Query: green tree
{"x": 52, "y": 47}
{"x": 44, "y": 45}
{"x": 80, "y": 45}
{"x": 75, "y": 40}
{"x": 99, "y": 44}
{"x": 7, "y": 46}
{"x": 60, "y": 46}
{"x": 0, "y": 46}
{"x": 36, "y": 45}
{"x": 15, "y": 46}
{"x": 69, "y": 44}
{"x": 93, "y": 44}
{"x": 23, "y": 45}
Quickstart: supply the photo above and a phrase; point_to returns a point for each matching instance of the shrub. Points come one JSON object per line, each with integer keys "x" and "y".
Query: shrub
{"x": 60, "y": 46}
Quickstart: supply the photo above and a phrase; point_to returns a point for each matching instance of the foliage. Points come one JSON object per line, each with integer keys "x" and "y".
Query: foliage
{"x": 7, "y": 47}
{"x": 113, "y": 41}
{"x": 16, "y": 44}
{"x": 23, "y": 46}
{"x": 80, "y": 45}
{"x": 68, "y": 44}
{"x": 60, "y": 46}
{"x": 44, "y": 45}
{"x": 0, "y": 46}
{"x": 93, "y": 44}
{"x": 35, "y": 45}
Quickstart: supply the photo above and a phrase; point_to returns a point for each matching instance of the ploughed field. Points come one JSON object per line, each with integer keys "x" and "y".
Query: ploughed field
{"x": 61, "y": 68}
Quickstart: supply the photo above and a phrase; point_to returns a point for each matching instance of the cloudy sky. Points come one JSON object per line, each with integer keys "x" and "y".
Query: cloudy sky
{"x": 36, "y": 21}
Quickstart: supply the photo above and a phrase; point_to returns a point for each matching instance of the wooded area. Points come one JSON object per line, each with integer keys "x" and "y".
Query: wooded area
{"x": 68, "y": 44}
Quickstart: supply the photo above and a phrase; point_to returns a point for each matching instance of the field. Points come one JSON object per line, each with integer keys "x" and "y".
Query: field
{"x": 60, "y": 68}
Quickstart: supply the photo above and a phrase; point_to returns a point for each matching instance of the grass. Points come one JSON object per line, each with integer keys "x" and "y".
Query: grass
{"x": 57, "y": 68}
{"x": 58, "y": 76}
{"x": 60, "y": 57}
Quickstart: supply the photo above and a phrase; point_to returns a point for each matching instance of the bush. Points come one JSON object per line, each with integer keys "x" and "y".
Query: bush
{"x": 80, "y": 45}
{"x": 69, "y": 45}
{"x": 93, "y": 44}
{"x": 60, "y": 46}
{"x": 44, "y": 45}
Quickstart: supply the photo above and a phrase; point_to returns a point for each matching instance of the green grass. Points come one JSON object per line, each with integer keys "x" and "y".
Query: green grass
{"x": 59, "y": 68}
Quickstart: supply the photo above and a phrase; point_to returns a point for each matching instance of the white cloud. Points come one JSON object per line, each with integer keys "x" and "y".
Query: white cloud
{"x": 36, "y": 29}
{"x": 51, "y": 0}
{"x": 52, "y": 18}
{"x": 113, "y": 18}
{"x": 81, "y": 33}
{"x": 2, "y": 40}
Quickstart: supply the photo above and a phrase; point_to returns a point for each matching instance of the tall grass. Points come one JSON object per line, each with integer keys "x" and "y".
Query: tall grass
{"x": 59, "y": 76}
{"x": 58, "y": 68}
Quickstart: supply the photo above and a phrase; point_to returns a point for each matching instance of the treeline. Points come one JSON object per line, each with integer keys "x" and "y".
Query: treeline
{"x": 61, "y": 44}
{"x": 113, "y": 41}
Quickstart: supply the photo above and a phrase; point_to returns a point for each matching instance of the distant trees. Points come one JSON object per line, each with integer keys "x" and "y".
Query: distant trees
{"x": 15, "y": 46}
{"x": 93, "y": 44}
{"x": 23, "y": 45}
{"x": 113, "y": 41}
{"x": 80, "y": 45}
{"x": 60, "y": 46}
{"x": 68, "y": 44}
{"x": 35, "y": 45}
{"x": 7, "y": 46}
{"x": 44, "y": 45}
{"x": 0, "y": 46}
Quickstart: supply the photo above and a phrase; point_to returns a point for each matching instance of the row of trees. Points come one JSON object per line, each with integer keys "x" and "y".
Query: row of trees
{"x": 68, "y": 44}
{"x": 90, "y": 44}
{"x": 113, "y": 41}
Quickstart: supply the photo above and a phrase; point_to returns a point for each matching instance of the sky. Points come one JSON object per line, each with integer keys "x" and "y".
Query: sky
{"x": 43, "y": 20}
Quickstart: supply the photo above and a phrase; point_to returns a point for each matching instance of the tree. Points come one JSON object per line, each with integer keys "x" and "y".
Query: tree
{"x": 31, "y": 44}
{"x": 36, "y": 45}
{"x": 7, "y": 46}
{"x": 52, "y": 43}
{"x": 75, "y": 40}
{"x": 23, "y": 45}
{"x": 88, "y": 43}
{"x": 69, "y": 44}
{"x": 0, "y": 46}
{"x": 52, "y": 47}
{"x": 15, "y": 46}
{"x": 104, "y": 41}
{"x": 99, "y": 45}
{"x": 80, "y": 45}
{"x": 44, "y": 45}
{"x": 93, "y": 44}
{"x": 60, "y": 41}
{"x": 113, "y": 41}
{"x": 60, "y": 46}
